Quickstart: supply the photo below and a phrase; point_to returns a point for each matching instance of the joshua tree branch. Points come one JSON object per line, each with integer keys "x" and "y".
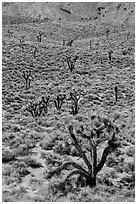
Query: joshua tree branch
{"x": 103, "y": 159}
{"x": 111, "y": 145}
{"x": 79, "y": 148}
{"x": 77, "y": 172}
{"x": 64, "y": 166}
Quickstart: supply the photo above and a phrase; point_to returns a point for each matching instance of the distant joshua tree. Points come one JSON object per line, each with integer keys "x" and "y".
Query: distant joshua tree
{"x": 71, "y": 62}
{"x": 9, "y": 33}
{"x": 107, "y": 32}
{"x": 110, "y": 55}
{"x": 35, "y": 50}
{"x": 116, "y": 92}
{"x": 69, "y": 43}
{"x": 90, "y": 44}
{"x": 74, "y": 103}
{"x": 22, "y": 44}
{"x": 59, "y": 101}
{"x": 39, "y": 36}
{"x": 63, "y": 42}
{"x": 42, "y": 105}
{"x": 38, "y": 108}
{"x": 27, "y": 76}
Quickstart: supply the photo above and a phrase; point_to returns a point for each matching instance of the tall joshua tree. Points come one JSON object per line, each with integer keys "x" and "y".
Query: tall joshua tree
{"x": 94, "y": 138}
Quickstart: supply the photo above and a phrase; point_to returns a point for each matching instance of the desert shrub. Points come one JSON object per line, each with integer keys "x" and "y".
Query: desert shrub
{"x": 119, "y": 168}
{"x": 107, "y": 181}
{"x": 129, "y": 167}
{"x": 74, "y": 151}
{"x": 112, "y": 173}
{"x": 33, "y": 163}
{"x": 59, "y": 187}
{"x": 21, "y": 168}
{"x": 118, "y": 153}
{"x": 7, "y": 170}
{"x": 111, "y": 162}
{"x": 62, "y": 148}
{"x": 8, "y": 156}
{"x": 48, "y": 143}
{"x": 128, "y": 180}
{"x": 16, "y": 128}
{"x": 52, "y": 159}
{"x": 88, "y": 195}
{"x": 131, "y": 152}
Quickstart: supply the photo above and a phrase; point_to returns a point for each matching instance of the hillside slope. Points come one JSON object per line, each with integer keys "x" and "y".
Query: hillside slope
{"x": 33, "y": 145}
{"x": 108, "y": 12}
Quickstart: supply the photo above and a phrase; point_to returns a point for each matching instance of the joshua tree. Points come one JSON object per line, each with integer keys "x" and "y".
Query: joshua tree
{"x": 35, "y": 51}
{"x": 39, "y": 36}
{"x": 107, "y": 32}
{"x": 28, "y": 78}
{"x": 38, "y": 108}
{"x": 110, "y": 55}
{"x": 43, "y": 106}
{"x": 69, "y": 43}
{"x": 63, "y": 42}
{"x": 74, "y": 103}
{"x": 71, "y": 62}
{"x": 59, "y": 101}
{"x": 93, "y": 139}
{"x": 116, "y": 92}
{"x": 32, "y": 107}
{"x": 9, "y": 33}
{"x": 75, "y": 58}
{"x": 90, "y": 44}
{"x": 22, "y": 44}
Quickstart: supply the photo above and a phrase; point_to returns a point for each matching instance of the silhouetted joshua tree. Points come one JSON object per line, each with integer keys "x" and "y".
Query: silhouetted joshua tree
{"x": 93, "y": 139}
{"x": 28, "y": 78}
{"x": 59, "y": 101}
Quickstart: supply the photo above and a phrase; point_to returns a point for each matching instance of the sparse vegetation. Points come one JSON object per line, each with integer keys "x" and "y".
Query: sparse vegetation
{"x": 68, "y": 112}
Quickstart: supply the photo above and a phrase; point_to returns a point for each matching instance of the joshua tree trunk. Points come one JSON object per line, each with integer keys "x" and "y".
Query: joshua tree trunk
{"x": 91, "y": 182}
